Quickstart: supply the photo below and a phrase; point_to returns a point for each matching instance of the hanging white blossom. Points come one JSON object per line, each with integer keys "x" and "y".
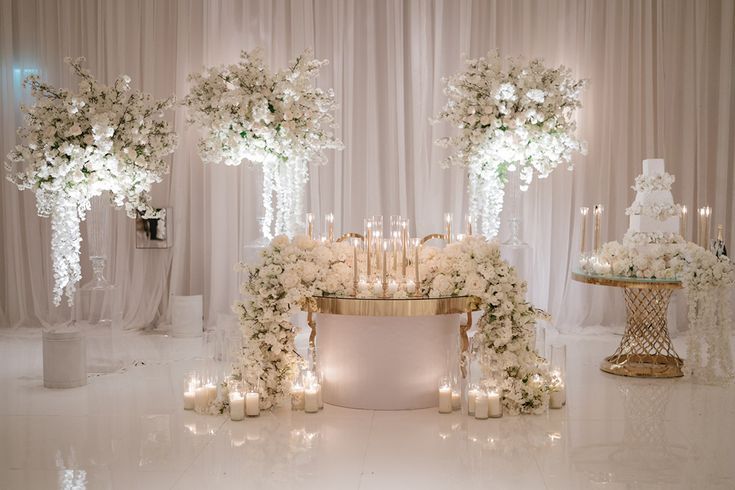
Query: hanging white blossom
{"x": 278, "y": 120}
{"x": 511, "y": 115}
{"x": 76, "y": 146}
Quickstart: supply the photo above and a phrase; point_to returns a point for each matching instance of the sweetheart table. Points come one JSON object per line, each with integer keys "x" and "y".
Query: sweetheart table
{"x": 384, "y": 353}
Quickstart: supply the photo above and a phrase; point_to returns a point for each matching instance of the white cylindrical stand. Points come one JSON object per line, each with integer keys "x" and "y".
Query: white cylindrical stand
{"x": 186, "y": 316}
{"x": 64, "y": 359}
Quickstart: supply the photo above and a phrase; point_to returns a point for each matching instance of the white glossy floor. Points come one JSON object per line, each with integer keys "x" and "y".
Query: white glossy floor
{"x": 127, "y": 430}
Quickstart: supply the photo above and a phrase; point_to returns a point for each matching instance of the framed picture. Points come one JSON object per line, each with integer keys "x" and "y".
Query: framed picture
{"x": 155, "y": 232}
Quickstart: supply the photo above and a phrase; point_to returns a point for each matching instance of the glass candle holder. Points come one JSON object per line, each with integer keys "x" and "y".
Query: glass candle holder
{"x": 445, "y": 395}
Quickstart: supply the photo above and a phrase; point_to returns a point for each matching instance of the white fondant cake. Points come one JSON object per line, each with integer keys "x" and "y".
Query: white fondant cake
{"x": 653, "y": 210}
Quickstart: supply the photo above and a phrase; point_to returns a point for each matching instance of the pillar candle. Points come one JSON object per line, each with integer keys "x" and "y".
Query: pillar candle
{"x": 237, "y": 406}
{"x": 311, "y": 401}
{"x": 445, "y": 399}
{"x": 471, "y": 399}
{"x": 555, "y": 399}
{"x": 297, "y": 397}
{"x": 456, "y": 400}
{"x": 410, "y": 286}
{"x": 201, "y": 399}
{"x": 189, "y": 400}
{"x": 252, "y": 404}
{"x": 481, "y": 406}
{"x": 211, "y": 392}
{"x": 584, "y": 211}
{"x": 495, "y": 408}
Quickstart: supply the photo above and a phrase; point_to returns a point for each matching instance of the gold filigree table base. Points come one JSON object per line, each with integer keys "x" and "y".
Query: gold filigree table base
{"x": 646, "y": 349}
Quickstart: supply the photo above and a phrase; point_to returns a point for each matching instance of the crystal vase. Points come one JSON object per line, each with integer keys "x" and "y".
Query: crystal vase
{"x": 514, "y": 205}
{"x": 98, "y": 235}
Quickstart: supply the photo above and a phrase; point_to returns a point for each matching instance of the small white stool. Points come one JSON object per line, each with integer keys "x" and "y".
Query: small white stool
{"x": 187, "y": 316}
{"x": 64, "y": 359}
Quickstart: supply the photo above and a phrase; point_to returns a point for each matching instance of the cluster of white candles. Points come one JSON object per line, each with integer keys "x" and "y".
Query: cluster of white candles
{"x": 244, "y": 400}
{"x": 199, "y": 392}
{"x": 306, "y": 392}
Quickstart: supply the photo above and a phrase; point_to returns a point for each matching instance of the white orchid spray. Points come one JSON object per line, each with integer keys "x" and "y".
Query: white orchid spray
{"x": 275, "y": 119}
{"x": 512, "y": 115}
{"x": 77, "y": 145}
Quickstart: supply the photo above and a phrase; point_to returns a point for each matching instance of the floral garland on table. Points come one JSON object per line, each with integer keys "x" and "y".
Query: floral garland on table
{"x": 511, "y": 115}
{"x": 293, "y": 272}
{"x": 707, "y": 279}
{"x": 78, "y": 145}
{"x": 278, "y": 120}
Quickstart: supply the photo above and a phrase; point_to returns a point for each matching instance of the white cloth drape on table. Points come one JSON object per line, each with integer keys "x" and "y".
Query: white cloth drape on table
{"x": 662, "y": 85}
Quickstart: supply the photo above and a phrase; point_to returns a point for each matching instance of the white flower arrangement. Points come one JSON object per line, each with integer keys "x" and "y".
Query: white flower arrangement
{"x": 293, "y": 272}
{"x": 654, "y": 209}
{"x": 511, "y": 115}
{"x": 278, "y": 120}
{"x": 77, "y": 145}
{"x": 707, "y": 279}
{"x": 657, "y": 182}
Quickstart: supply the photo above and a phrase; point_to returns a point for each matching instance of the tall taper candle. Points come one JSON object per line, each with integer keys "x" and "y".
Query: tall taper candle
{"x": 385, "y": 265}
{"x": 468, "y": 225}
{"x": 310, "y": 225}
{"x": 598, "y": 225}
{"x": 395, "y": 251}
{"x": 404, "y": 247}
{"x": 369, "y": 246}
{"x": 448, "y": 226}
{"x": 354, "y": 264}
{"x": 416, "y": 247}
{"x": 683, "y": 222}
{"x": 583, "y": 211}
{"x": 329, "y": 219}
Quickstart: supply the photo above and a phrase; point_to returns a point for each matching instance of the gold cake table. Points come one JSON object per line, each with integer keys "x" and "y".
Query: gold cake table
{"x": 646, "y": 349}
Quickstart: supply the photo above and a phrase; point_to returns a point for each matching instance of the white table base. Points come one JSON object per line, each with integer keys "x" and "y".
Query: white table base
{"x": 384, "y": 363}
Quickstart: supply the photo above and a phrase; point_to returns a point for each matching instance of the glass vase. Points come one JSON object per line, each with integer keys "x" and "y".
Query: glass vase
{"x": 98, "y": 235}
{"x": 514, "y": 209}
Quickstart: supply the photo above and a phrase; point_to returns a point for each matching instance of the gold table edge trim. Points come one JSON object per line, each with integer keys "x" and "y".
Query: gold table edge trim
{"x": 623, "y": 283}
{"x": 405, "y": 307}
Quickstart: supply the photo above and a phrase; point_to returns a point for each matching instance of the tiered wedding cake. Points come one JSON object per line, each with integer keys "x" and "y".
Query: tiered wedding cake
{"x": 654, "y": 217}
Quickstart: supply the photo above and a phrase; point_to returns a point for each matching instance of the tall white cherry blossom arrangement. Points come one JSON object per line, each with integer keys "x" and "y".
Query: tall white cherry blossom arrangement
{"x": 276, "y": 119}
{"x": 511, "y": 115}
{"x": 76, "y": 145}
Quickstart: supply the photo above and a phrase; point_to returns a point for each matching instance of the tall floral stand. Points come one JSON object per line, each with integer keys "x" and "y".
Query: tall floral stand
{"x": 96, "y": 303}
{"x": 646, "y": 349}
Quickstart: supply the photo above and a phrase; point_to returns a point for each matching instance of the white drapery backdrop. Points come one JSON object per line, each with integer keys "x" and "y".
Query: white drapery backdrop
{"x": 662, "y": 85}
